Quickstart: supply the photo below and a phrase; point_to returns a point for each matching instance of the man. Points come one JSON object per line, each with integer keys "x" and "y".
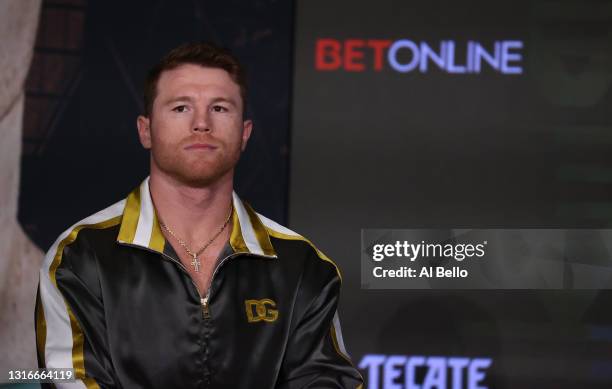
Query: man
{"x": 183, "y": 285}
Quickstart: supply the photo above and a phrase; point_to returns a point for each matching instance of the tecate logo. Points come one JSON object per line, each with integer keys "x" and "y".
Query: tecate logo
{"x": 405, "y": 56}
{"x": 424, "y": 372}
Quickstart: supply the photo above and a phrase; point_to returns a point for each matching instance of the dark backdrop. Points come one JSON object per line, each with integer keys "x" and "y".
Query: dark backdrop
{"x": 369, "y": 150}
{"x": 385, "y": 149}
{"x": 81, "y": 149}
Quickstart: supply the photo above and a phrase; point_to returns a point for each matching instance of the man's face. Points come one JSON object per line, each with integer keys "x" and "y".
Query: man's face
{"x": 195, "y": 130}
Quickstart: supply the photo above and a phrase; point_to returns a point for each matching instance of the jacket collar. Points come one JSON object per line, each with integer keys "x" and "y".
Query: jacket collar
{"x": 140, "y": 227}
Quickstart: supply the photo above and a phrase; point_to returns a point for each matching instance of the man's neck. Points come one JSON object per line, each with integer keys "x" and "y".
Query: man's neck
{"x": 193, "y": 214}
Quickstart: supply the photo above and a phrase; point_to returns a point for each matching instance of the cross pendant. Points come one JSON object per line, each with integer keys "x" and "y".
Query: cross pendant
{"x": 196, "y": 263}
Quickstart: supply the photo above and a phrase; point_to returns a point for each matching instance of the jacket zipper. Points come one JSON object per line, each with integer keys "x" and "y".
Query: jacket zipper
{"x": 204, "y": 301}
{"x": 205, "y": 311}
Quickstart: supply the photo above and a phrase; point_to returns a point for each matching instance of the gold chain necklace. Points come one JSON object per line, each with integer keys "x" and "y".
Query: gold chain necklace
{"x": 196, "y": 262}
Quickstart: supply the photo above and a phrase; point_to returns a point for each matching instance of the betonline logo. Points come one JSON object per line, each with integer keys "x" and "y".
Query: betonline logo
{"x": 358, "y": 55}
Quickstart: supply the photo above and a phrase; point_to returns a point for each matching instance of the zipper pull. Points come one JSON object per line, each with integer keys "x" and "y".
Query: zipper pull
{"x": 205, "y": 312}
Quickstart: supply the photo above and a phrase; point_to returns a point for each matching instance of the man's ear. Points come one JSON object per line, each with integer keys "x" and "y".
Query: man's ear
{"x": 144, "y": 131}
{"x": 247, "y": 128}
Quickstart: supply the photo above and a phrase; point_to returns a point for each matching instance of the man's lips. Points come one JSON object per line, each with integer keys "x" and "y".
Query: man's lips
{"x": 200, "y": 146}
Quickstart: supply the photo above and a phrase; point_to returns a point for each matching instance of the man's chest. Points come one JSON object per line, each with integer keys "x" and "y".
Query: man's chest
{"x": 201, "y": 268}
{"x": 156, "y": 323}
{"x": 205, "y": 268}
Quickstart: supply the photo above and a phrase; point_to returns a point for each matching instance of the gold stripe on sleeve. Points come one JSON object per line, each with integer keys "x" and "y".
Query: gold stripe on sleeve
{"x": 41, "y": 330}
{"x": 78, "y": 362}
{"x": 320, "y": 254}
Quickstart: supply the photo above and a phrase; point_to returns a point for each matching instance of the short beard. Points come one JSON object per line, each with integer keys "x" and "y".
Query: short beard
{"x": 202, "y": 176}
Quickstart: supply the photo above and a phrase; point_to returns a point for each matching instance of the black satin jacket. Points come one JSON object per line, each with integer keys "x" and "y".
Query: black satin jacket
{"x": 116, "y": 305}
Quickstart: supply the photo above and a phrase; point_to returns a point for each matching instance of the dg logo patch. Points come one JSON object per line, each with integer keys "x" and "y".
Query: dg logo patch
{"x": 261, "y": 310}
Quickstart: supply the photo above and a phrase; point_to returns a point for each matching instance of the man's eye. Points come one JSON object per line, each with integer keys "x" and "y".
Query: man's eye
{"x": 219, "y": 108}
{"x": 180, "y": 108}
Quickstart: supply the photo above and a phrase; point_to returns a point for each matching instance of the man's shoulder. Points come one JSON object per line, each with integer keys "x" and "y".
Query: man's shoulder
{"x": 95, "y": 226}
{"x": 293, "y": 246}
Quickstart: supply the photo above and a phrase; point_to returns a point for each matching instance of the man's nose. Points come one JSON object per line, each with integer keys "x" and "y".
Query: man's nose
{"x": 201, "y": 121}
